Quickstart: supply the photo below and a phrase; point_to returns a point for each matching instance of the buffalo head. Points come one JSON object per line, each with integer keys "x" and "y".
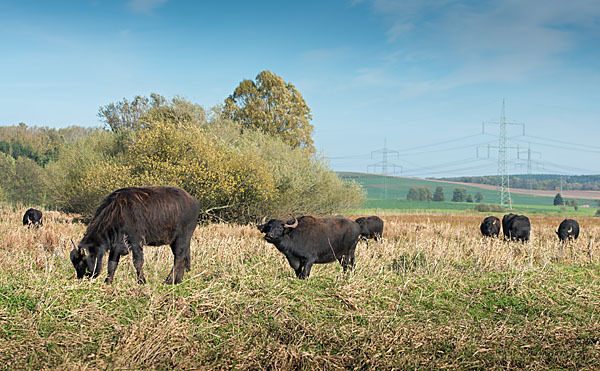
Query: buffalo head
{"x": 275, "y": 229}
{"x": 85, "y": 260}
{"x": 78, "y": 258}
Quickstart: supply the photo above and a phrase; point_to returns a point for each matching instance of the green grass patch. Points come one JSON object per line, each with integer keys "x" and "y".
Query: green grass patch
{"x": 389, "y": 193}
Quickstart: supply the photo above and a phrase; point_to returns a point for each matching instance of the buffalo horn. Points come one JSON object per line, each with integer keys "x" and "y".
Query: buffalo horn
{"x": 570, "y": 230}
{"x": 264, "y": 220}
{"x": 79, "y": 250}
{"x": 293, "y": 225}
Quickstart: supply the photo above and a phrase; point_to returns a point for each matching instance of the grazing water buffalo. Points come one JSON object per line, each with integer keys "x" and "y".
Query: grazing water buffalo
{"x": 516, "y": 227}
{"x": 370, "y": 227}
{"x": 568, "y": 230}
{"x": 132, "y": 217}
{"x": 490, "y": 227}
{"x": 32, "y": 218}
{"x": 308, "y": 240}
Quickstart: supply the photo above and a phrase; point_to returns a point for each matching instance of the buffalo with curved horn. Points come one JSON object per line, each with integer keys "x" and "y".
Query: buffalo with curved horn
{"x": 308, "y": 240}
{"x": 568, "y": 230}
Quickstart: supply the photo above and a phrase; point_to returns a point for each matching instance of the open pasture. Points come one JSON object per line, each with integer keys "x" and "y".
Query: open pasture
{"x": 431, "y": 294}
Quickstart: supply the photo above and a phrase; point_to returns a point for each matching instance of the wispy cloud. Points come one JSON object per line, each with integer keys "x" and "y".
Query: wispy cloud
{"x": 487, "y": 41}
{"x": 145, "y": 6}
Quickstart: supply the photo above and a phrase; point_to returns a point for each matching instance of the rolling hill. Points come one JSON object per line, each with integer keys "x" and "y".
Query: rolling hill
{"x": 389, "y": 192}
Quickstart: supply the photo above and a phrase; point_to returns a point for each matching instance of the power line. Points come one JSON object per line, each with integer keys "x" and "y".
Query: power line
{"x": 564, "y": 142}
{"x": 442, "y": 142}
{"x": 562, "y": 147}
{"x": 402, "y": 151}
{"x": 443, "y": 165}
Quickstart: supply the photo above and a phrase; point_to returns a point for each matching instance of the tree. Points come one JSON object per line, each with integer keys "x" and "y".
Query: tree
{"x": 469, "y": 198}
{"x": 5, "y": 147}
{"x": 425, "y": 194}
{"x": 572, "y": 202}
{"x": 478, "y": 197}
{"x": 558, "y": 200}
{"x": 176, "y": 111}
{"x": 124, "y": 115}
{"x": 273, "y": 106}
{"x": 459, "y": 195}
{"x": 413, "y": 194}
{"x": 438, "y": 195}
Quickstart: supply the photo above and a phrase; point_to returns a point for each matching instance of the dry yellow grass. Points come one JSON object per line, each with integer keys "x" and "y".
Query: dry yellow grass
{"x": 432, "y": 294}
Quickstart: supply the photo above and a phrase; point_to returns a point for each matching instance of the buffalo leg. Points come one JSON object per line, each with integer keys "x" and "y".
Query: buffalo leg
{"x": 113, "y": 262}
{"x": 348, "y": 261}
{"x": 138, "y": 262}
{"x": 188, "y": 260}
{"x": 295, "y": 264}
{"x": 306, "y": 267}
{"x": 181, "y": 258}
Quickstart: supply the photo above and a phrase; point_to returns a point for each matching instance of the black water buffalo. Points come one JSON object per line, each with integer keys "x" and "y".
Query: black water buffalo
{"x": 308, "y": 240}
{"x": 490, "y": 227}
{"x": 568, "y": 230}
{"x": 32, "y": 218}
{"x": 516, "y": 227}
{"x": 370, "y": 227}
{"x": 132, "y": 217}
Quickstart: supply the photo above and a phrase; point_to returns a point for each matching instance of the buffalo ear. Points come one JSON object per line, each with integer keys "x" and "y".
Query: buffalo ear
{"x": 261, "y": 226}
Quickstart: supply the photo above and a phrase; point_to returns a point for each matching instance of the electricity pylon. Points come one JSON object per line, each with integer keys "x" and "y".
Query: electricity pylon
{"x": 505, "y": 198}
{"x": 384, "y": 164}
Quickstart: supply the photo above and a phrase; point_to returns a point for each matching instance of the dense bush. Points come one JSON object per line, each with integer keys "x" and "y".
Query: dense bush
{"x": 303, "y": 183}
{"x": 236, "y": 176}
{"x": 22, "y": 180}
{"x": 75, "y": 182}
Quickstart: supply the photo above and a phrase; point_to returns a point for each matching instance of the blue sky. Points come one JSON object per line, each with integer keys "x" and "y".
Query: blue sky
{"x": 420, "y": 75}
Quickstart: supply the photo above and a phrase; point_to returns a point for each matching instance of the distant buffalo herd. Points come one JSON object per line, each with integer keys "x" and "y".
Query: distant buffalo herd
{"x": 132, "y": 217}
{"x": 517, "y": 228}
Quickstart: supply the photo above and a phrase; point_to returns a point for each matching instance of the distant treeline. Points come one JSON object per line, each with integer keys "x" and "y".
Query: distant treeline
{"x": 538, "y": 181}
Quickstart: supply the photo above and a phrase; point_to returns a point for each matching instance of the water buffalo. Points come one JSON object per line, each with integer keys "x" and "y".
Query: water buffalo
{"x": 370, "y": 227}
{"x": 568, "y": 230}
{"x": 490, "y": 227}
{"x": 132, "y": 217}
{"x": 32, "y": 218}
{"x": 516, "y": 227}
{"x": 308, "y": 240}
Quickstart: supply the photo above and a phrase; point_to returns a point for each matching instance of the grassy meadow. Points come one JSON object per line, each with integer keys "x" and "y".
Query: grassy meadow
{"x": 432, "y": 294}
